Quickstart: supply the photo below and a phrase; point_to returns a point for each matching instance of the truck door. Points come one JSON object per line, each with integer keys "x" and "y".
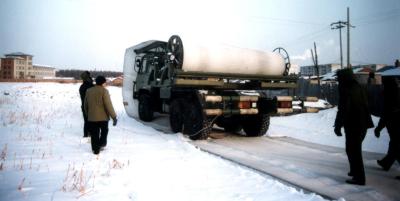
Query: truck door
{"x": 143, "y": 74}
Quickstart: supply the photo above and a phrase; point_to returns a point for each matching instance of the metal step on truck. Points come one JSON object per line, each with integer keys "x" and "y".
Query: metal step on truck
{"x": 158, "y": 79}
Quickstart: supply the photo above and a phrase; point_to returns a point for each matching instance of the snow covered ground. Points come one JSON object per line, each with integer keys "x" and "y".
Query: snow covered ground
{"x": 318, "y": 128}
{"x": 44, "y": 157}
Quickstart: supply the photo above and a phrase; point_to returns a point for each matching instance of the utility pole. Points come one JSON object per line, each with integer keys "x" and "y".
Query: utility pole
{"x": 348, "y": 37}
{"x": 339, "y": 25}
{"x": 314, "y": 56}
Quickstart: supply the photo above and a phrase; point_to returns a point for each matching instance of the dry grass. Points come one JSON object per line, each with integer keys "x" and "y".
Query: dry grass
{"x": 3, "y": 155}
{"x": 21, "y": 184}
{"x": 5, "y": 100}
{"x": 76, "y": 180}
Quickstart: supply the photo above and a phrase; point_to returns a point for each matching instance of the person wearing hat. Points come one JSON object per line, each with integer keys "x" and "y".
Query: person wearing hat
{"x": 353, "y": 114}
{"x": 86, "y": 84}
{"x": 99, "y": 109}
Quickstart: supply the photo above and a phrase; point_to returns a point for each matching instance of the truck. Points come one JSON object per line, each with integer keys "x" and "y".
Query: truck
{"x": 155, "y": 82}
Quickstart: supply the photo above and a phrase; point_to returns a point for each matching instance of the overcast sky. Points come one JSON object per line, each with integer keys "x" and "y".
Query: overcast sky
{"x": 93, "y": 34}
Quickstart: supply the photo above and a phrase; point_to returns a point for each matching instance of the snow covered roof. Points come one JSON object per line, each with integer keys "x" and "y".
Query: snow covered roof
{"x": 329, "y": 76}
{"x": 386, "y": 68}
{"x": 42, "y": 66}
{"x": 392, "y": 72}
{"x": 18, "y": 54}
{"x": 332, "y": 75}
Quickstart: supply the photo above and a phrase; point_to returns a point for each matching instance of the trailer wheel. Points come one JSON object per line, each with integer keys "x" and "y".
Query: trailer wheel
{"x": 195, "y": 124}
{"x": 255, "y": 125}
{"x": 176, "y": 115}
{"x": 145, "y": 108}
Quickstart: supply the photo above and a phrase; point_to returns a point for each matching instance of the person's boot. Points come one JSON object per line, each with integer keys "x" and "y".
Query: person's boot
{"x": 383, "y": 165}
{"x": 355, "y": 181}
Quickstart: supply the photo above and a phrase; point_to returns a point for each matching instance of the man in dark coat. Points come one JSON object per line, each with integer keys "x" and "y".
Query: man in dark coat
{"x": 353, "y": 114}
{"x": 391, "y": 120}
{"x": 99, "y": 109}
{"x": 86, "y": 84}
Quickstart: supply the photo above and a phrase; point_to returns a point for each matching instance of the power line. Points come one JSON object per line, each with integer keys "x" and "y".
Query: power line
{"x": 380, "y": 19}
{"x": 285, "y": 20}
{"x": 378, "y": 14}
{"x": 308, "y": 37}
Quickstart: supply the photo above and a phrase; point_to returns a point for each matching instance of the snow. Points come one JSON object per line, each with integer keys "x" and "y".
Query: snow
{"x": 318, "y": 128}
{"x": 44, "y": 157}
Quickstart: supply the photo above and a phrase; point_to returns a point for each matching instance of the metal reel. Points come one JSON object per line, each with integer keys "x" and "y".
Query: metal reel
{"x": 175, "y": 50}
{"x": 286, "y": 58}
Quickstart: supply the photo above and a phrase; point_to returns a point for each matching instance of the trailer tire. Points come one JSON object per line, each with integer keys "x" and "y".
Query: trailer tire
{"x": 145, "y": 108}
{"x": 176, "y": 115}
{"x": 195, "y": 124}
{"x": 255, "y": 125}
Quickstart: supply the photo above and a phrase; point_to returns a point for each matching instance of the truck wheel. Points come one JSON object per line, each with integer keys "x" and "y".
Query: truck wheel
{"x": 195, "y": 124}
{"x": 145, "y": 108}
{"x": 255, "y": 125}
{"x": 176, "y": 115}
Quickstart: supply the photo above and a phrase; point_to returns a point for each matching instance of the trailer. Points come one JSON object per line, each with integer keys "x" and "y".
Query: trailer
{"x": 157, "y": 79}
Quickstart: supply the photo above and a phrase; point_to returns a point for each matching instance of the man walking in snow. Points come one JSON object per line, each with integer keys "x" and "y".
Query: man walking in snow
{"x": 86, "y": 84}
{"x": 99, "y": 109}
{"x": 354, "y": 116}
{"x": 390, "y": 119}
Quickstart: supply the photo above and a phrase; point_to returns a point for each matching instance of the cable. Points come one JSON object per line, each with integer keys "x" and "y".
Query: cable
{"x": 377, "y": 20}
{"x": 285, "y": 20}
{"x": 378, "y": 14}
{"x": 308, "y": 37}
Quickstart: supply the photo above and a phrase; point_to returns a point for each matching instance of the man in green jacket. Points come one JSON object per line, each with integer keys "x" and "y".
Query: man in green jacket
{"x": 99, "y": 109}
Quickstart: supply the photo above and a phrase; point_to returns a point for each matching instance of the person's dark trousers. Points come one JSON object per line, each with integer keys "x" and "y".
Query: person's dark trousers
{"x": 393, "y": 153}
{"x": 98, "y": 134}
{"x": 354, "y": 139}
{"x": 85, "y": 124}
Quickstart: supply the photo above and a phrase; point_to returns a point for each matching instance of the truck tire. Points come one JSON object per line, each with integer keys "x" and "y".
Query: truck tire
{"x": 145, "y": 108}
{"x": 176, "y": 115}
{"x": 195, "y": 124}
{"x": 255, "y": 125}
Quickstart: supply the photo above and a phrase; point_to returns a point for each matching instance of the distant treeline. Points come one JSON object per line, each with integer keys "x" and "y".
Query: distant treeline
{"x": 77, "y": 73}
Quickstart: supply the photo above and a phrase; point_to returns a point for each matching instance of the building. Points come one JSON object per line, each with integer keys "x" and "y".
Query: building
{"x": 42, "y": 71}
{"x": 323, "y": 69}
{"x": 374, "y": 67}
{"x": 18, "y": 65}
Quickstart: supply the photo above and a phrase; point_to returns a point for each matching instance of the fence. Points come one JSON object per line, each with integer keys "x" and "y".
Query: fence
{"x": 329, "y": 92}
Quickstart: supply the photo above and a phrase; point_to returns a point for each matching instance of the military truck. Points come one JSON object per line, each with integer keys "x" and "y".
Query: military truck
{"x": 194, "y": 100}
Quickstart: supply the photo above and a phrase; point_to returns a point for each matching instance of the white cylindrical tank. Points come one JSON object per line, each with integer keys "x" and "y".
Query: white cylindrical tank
{"x": 219, "y": 58}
